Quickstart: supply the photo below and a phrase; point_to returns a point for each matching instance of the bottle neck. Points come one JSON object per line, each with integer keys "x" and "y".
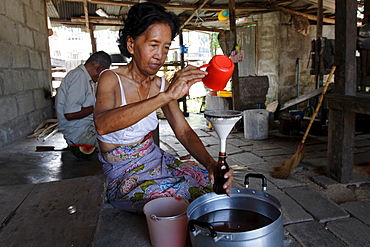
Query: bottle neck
{"x": 222, "y": 155}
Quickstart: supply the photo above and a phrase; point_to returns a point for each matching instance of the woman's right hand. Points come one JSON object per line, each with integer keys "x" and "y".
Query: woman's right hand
{"x": 183, "y": 80}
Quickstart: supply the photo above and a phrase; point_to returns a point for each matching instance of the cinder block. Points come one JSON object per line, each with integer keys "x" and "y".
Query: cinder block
{"x": 20, "y": 57}
{"x": 25, "y": 102}
{"x": 30, "y": 79}
{"x": 13, "y": 81}
{"x": 9, "y": 108}
{"x": 2, "y": 9}
{"x": 39, "y": 96}
{"x": 7, "y": 33}
{"x": 45, "y": 58}
{"x": 27, "y": 3}
{"x": 33, "y": 19}
{"x": 5, "y": 54}
{"x": 44, "y": 80}
{"x": 35, "y": 61}
{"x": 1, "y": 83}
{"x": 25, "y": 36}
{"x": 14, "y": 11}
{"x": 40, "y": 40}
{"x": 37, "y": 6}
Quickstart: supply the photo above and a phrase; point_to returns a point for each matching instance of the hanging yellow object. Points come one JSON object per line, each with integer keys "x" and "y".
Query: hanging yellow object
{"x": 223, "y": 15}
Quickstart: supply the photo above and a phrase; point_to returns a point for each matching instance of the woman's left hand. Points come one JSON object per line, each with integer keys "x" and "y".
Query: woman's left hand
{"x": 183, "y": 80}
{"x": 229, "y": 175}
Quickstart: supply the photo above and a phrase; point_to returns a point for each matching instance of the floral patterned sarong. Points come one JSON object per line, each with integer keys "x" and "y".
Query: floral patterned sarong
{"x": 141, "y": 172}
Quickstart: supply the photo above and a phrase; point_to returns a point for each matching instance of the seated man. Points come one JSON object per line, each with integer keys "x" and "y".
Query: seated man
{"x": 75, "y": 100}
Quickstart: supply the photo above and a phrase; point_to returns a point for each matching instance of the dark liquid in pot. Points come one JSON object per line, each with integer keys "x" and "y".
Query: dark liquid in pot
{"x": 235, "y": 220}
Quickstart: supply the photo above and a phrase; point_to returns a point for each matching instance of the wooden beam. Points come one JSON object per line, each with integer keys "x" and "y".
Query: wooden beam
{"x": 89, "y": 27}
{"x": 167, "y": 6}
{"x": 358, "y": 104}
{"x": 99, "y": 21}
{"x": 193, "y": 14}
{"x": 206, "y": 29}
{"x": 310, "y": 17}
{"x": 87, "y": 22}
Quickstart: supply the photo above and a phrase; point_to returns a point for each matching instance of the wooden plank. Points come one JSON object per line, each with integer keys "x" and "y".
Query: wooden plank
{"x": 308, "y": 16}
{"x": 43, "y": 218}
{"x": 193, "y": 14}
{"x": 169, "y": 6}
{"x": 349, "y": 103}
{"x": 303, "y": 98}
{"x": 11, "y": 197}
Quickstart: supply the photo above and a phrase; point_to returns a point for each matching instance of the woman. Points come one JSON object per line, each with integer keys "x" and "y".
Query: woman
{"x": 125, "y": 115}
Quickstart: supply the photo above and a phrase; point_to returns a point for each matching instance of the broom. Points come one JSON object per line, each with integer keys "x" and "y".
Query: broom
{"x": 289, "y": 165}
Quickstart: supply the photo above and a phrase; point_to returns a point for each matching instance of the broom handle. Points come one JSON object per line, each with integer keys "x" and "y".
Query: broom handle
{"x": 319, "y": 104}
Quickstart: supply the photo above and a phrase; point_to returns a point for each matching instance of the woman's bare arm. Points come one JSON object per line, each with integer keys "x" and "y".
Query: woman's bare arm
{"x": 109, "y": 116}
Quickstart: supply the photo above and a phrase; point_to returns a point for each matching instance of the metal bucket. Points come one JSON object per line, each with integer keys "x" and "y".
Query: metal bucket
{"x": 246, "y": 218}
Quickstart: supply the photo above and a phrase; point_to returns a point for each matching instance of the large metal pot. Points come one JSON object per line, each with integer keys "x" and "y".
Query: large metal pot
{"x": 246, "y": 218}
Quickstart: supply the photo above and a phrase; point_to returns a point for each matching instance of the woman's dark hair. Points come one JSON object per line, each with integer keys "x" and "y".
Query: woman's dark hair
{"x": 140, "y": 17}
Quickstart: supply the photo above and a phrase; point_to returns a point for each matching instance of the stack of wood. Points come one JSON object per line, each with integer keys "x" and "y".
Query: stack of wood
{"x": 45, "y": 130}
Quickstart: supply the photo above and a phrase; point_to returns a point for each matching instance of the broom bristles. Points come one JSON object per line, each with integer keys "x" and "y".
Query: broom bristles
{"x": 288, "y": 166}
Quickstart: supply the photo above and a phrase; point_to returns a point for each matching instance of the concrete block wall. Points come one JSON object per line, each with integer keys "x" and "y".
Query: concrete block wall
{"x": 267, "y": 51}
{"x": 278, "y": 47}
{"x": 296, "y": 46}
{"x": 24, "y": 69}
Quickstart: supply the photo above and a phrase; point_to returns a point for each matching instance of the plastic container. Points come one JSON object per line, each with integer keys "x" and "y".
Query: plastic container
{"x": 167, "y": 221}
{"x": 223, "y": 93}
{"x": 220, "y": 70}
{"x": 256, "y": 124}
{"x": 297, "y": 113}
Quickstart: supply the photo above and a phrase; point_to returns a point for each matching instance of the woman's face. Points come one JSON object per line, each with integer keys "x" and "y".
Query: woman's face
{"x": 150, "y": 49}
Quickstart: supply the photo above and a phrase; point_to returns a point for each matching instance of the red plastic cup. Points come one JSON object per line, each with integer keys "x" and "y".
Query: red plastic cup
{"x": 220, "y": 70}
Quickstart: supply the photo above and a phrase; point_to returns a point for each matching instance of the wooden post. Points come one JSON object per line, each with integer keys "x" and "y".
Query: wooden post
{"x": 235, "y": 76}
{"x": 341, "y": 122}
{"x": 182, "y": 63}
{"x": 92, "y": 37}
{"x": 365, "y": 54}
{"x": 319, "y": 44}
{"x": 89, "y": 27}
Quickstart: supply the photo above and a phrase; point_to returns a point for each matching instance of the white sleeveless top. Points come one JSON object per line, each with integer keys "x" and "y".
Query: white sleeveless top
{"x": 135, "y": 132}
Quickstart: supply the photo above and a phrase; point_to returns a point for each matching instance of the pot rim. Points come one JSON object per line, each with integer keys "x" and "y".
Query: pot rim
{"x": 235, "y": 193}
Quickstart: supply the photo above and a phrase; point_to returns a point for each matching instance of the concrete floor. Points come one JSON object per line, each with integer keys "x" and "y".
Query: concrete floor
{"x": 21, "y": 164}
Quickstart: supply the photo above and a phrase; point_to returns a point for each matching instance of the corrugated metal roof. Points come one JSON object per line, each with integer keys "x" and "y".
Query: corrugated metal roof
{"x": 62, "y": 11}
{"x": 52, "y": 11}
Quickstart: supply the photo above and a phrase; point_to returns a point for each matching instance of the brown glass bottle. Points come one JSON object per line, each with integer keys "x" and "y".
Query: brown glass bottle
{"x": 219, "y": 172}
